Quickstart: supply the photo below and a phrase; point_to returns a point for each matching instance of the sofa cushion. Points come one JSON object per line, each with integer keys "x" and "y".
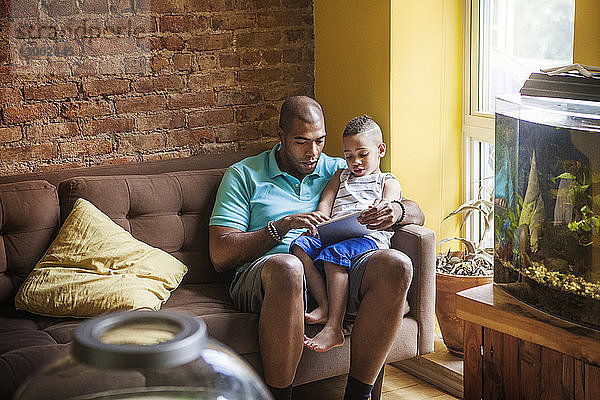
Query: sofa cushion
{"x": 20, "y": 330}
{"x": 17, "y": 334}
{"x": 17, "y": 365}
{"x": 167, "y": 211}
{"x": 29, "y": 217}
{"x": 212, "y": 303}
{"x": 94, "y": 266}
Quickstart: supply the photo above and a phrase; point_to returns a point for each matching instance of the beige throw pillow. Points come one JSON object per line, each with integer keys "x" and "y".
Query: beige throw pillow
{"x": 95, "y": 266}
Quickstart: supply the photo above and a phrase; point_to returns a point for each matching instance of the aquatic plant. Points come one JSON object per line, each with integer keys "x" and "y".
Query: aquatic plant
{"x": 585, "y": 223}
{"x": 588, "y": 223}
{"x": 577, "y": 191}
{"x": 509, "y": 219}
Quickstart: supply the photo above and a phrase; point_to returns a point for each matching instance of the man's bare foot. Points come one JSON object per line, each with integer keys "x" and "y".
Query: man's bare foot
{"x": 325, "y": 340}
{"x": 316, "y": 316}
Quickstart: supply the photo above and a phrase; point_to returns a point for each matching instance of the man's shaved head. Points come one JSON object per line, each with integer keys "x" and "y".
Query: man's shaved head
{"x": 301, "y": 107}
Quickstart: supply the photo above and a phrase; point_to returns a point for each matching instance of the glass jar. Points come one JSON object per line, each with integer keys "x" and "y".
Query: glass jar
{"x": 145, "y": 355}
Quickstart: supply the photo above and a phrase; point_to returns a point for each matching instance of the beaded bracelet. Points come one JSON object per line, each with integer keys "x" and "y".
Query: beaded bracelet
{"x": 273, "y": 232}
{"x": 403, "y": 212}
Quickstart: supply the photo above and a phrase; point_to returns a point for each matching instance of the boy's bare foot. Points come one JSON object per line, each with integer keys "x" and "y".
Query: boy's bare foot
{"x": 316, "y": 316}
{"x": 325, "y": 340}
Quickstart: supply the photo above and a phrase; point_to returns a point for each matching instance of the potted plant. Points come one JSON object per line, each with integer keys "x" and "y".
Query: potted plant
{"x": 460, "y": 270}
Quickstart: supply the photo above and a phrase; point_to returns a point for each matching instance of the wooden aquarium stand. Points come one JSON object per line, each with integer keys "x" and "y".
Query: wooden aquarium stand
{"x": 514, "y": 351}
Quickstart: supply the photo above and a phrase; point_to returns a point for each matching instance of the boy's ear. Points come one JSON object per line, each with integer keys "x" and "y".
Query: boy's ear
{"x": 381, "y": 149}
{"x": 280, "y": 133}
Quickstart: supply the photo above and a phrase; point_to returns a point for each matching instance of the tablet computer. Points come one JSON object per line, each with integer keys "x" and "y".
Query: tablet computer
{"x": 338, "y": 229}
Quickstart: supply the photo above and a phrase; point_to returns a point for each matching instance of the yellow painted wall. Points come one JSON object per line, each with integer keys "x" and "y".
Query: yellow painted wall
{"x": 352, "y": 65}
{"x": 400, "y": 62}
{"x": 426, "y": 105}
{"x": 586, "y": 46}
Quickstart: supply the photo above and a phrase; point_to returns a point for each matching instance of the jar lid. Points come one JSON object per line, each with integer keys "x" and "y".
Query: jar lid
{"x": 139, "y": 339}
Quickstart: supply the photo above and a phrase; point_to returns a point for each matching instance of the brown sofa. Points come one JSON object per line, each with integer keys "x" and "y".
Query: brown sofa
{"x": 166, "y": 204}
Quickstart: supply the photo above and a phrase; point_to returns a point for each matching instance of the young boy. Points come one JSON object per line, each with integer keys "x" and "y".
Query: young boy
{"x": 360, "y": 186}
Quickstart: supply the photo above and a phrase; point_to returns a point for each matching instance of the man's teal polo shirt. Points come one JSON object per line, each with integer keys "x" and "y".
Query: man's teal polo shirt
{"x": 255, "y": 191}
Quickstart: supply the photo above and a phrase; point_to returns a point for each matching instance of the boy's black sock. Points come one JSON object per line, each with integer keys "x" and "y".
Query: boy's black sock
{"x": 281, "y": 393}
{"x": 356, "y": 390}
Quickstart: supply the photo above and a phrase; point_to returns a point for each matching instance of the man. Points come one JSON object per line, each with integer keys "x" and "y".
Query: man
{"x": 263, "y": 203}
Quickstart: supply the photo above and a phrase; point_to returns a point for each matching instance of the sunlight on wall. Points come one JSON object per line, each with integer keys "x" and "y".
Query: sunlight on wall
{"x": 352, "y": 65}
{"x": 426, "y": 105}
{"x": 400, "y": 62}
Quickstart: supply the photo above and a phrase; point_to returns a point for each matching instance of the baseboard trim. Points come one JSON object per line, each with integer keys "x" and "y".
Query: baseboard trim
{"x": 433, "y": 373}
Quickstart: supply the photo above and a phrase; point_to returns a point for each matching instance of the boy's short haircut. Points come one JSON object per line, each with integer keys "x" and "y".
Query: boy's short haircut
{"x": 362, "y": 124}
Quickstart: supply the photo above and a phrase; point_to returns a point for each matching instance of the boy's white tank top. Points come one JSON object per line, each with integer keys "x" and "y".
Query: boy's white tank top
{"x": 358, "y": 193}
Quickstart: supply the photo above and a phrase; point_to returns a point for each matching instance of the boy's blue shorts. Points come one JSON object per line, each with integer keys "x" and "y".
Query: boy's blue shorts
{"x": 340, "y": 253}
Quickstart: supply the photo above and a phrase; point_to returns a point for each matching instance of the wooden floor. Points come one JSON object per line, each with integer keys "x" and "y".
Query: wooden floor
{"x": 397, "y": 385}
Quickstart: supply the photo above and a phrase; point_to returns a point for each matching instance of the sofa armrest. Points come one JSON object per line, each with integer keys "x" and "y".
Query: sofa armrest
{"x": 418, "y": 243}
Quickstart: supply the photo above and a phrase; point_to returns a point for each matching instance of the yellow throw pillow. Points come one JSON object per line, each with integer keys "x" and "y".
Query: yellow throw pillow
{"x": 95, "y": 266}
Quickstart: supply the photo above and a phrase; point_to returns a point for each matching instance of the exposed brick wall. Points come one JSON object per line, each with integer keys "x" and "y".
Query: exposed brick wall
{"x": 135, "y": 80}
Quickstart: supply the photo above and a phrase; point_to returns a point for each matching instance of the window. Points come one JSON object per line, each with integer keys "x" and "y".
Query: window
{"x": 505, "y": 40}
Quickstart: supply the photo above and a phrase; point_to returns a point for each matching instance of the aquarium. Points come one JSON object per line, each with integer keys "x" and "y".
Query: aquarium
{"x": 547, "y": 204}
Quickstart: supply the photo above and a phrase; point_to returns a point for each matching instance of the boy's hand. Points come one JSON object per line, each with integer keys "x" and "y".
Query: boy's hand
{"x": 380, "y": 215}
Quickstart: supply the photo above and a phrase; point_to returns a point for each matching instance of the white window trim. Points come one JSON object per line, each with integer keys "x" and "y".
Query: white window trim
{"x": 476, "y": 126}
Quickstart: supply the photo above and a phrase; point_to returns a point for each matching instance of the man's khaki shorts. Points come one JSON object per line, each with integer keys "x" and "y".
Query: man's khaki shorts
{"x": 247, "y": 291}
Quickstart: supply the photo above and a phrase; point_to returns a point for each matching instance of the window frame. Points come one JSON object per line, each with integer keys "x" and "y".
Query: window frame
{"x": 476, "y": 126}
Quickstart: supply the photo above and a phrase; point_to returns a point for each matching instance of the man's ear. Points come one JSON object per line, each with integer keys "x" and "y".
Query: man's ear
{"x": 381, "y": 149}
{"x": 280, "y": 133}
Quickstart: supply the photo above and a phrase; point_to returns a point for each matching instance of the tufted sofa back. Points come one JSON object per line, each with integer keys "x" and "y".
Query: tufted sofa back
{"x": 168, "y": 211}
{"x": 166, "y": 203}
{"x": 29, "y": 218}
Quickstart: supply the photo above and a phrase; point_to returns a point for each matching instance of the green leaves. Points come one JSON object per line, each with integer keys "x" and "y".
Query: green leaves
{"x": 564, "y": 175}
{"x": 578, "y": 194}
{"x": 589, "y": 223}
{"x": 578, "y": 188}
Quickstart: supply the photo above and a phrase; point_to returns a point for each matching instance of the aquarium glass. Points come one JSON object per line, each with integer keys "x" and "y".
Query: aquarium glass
{"x": 547, "y": 204}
